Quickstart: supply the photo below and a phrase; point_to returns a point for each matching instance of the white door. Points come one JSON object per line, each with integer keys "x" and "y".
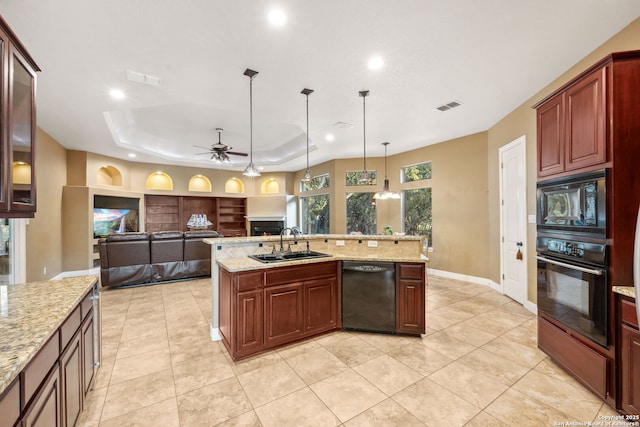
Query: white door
{"x": 513, "y": 219}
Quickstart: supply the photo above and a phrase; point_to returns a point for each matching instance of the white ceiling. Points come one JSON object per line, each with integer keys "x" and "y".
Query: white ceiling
{"x": 490, "y": 55}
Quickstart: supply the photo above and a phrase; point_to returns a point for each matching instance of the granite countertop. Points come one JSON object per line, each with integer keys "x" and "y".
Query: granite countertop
{"x": 245, "y": 263}
{"x": 30, "y": 313}
{"x": 628, "y": 291}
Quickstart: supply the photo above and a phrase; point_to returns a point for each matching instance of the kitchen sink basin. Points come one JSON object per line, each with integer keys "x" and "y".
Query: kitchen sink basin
{"x": 288, "y": 256}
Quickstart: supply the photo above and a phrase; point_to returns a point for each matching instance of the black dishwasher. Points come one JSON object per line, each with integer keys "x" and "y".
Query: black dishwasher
{"x": 369, "y": 296}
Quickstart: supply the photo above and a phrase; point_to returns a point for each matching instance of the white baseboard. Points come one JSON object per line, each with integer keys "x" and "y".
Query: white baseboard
{"x": 215, "y": 334}
{"x": 77, "y": 273}
{"x": 532, "y": 307}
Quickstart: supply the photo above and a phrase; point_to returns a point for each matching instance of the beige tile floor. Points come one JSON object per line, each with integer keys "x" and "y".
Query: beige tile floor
{"x": 478, "y": 365}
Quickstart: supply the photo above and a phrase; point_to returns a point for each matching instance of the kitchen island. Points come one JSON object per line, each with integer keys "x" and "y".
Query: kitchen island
{"x": 258, "y": 306}
{"x": 48, "y": 349}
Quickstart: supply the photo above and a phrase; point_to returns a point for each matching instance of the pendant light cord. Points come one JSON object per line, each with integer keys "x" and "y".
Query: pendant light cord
{"x": 364, "y": 131}
{"x": 307, "y": 95}
{"x": 251, "y": 120}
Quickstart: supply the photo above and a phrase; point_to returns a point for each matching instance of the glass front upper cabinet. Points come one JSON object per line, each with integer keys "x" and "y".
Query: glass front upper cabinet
{"x": 17, "y": 127}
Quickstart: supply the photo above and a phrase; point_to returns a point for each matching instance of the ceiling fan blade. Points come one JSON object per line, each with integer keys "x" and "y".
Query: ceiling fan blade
{"x": 237, "y": 154}
{"x": 208, "y": 152}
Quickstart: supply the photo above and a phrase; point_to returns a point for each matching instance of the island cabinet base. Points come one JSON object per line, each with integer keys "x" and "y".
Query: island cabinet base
{"x": 263, "y": 309}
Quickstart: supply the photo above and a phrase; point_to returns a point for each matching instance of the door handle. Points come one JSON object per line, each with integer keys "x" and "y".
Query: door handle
{"x": 518, "y": 243}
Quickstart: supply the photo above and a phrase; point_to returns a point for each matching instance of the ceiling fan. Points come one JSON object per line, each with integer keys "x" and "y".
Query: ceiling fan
{"x": 220, "y": 152}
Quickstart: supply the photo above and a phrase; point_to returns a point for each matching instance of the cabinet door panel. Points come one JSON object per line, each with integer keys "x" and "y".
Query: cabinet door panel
{"x": 320, "y": 305}
{"x": 410, "y": 307}
{"x": 283, "y": 317}
{"x": 45, "y": 410}
{"x": 551, "y": 137}
{"x": 72, "y": 387}
{"x": 249, "y": 332}
{"x": 585, "y": 122}
{"x": 88, "y": 353}
{"x": 630, "y": 367}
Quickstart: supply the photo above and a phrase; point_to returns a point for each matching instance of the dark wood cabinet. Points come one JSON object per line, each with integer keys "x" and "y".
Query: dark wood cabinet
{"x": 629, "y": 373}
{"x": 585, "y": 106}
{"x": 283, "y": 314}
{"x": 89, "y": 356}
{"x": 266, "y": 308}
{"x": 10, "y": 404}
{"x": 167, "y": 213}
{"x": 410, "y": 298}
{"x": 46, "y": 408}
{"x": 571, "y": 126}
{"x": 231, "y": 216}
{"x": 321, "y": 305}
{"x": 250, "y": 322}
{"x": 71, "y": 381}
{"x": 17, "y": 127}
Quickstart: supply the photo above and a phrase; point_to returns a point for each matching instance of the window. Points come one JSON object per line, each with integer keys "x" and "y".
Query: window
{"x": 316, "y": 183}
{"x": 361, "y": 213}
{"x": 417, "y": 172}
{"x": 417, "y": 212}
{"x": 361, "y": 178}
{"x": 315, "y": 214}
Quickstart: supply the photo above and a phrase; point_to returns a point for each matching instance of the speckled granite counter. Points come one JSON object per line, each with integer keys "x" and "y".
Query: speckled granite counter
{"x": 628, "y": 291}
{"x": 29, "y": 315}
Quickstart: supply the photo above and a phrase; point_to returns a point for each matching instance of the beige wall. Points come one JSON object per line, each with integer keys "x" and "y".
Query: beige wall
{"x": 44, "y": 231}
{"x": 522, "y": 121}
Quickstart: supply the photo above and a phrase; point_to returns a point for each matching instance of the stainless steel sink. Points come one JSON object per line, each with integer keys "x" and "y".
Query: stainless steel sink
{"x": 288, "y": 256}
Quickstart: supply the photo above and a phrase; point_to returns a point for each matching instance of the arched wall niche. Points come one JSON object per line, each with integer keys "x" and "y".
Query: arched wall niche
{"x": 159, "y": 181}
{"x": 234, "y": 185}
{"x": 109, "y": 175}
{"x": 200, "y": 183}
{"x": 270, "y": 186}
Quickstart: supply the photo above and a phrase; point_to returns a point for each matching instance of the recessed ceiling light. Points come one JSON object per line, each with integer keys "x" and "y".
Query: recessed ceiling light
{"x": 132, "y": 154}
{"x": 277, "y": 18}
{"x": 117, "y": 94}
{"x": 329, "y": 137}
{"x": 375, "y": 63}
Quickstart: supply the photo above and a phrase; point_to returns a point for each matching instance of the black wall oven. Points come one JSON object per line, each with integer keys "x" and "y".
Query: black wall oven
{"x": 572, "y": 286}
{"x": 574, "y": 205}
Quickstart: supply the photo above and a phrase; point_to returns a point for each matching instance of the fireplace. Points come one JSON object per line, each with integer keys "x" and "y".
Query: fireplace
{"x": 265, "y": 226}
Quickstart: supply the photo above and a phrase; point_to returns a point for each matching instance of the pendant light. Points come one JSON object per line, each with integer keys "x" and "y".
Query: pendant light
{"x": 251, "y": 170}
{"x": 386, "y": 194}
{"x": 307, "y": 174}
{"x": 365, "y": 179}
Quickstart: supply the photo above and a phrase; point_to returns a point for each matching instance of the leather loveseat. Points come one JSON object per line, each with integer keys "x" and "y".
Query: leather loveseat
{"x": 139, "y": 258}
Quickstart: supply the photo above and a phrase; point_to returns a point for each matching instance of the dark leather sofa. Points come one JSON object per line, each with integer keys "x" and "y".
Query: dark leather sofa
{"x": 139, "y": 258}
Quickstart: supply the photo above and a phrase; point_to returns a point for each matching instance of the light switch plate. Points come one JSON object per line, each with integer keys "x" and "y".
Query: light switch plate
{"x": 532, "y": 219}
{"x": 372, "y": 243}
{"x": 339, "y": 242}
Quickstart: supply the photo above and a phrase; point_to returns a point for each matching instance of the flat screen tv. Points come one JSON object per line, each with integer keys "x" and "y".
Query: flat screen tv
{"x": 107, "y": 221}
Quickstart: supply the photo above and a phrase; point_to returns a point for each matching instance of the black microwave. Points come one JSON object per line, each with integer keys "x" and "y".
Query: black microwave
{"x": 574, "y": 204}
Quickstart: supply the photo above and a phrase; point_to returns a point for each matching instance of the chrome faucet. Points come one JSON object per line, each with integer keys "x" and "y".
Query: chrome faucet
{"x": 294, "y": 230}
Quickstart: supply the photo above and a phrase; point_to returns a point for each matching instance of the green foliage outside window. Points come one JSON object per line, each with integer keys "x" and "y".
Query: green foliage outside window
{"x": 417, "y": 213}
{"x": 361, "y": 178}
{"x": 315, "y": 214}
{"x": 416, "y": 172}
{"x": 361, "y": 213}
{"x": 316, "y": 183}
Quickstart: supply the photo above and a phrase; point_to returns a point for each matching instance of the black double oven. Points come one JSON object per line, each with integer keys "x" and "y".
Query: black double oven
{"x": 572, "y": 253}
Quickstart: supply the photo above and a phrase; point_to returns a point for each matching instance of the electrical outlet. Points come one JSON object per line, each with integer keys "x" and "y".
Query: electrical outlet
{"x": 532, "y": 219}
{"x": 339, "y": 242}
{"x": 430, "y": 250}
{"x": 372, "y": 243}
{"x": 44, "y": 270}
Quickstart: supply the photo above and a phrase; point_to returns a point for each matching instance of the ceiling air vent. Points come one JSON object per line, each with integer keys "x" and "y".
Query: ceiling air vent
{"x": 448, "y": 106}
{"x": 146, "y": 79}
{"x": 343, "y": 125}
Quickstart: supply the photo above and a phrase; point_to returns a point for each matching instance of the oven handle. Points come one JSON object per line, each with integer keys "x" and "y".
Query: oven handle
{"x": 571, "y": 266}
